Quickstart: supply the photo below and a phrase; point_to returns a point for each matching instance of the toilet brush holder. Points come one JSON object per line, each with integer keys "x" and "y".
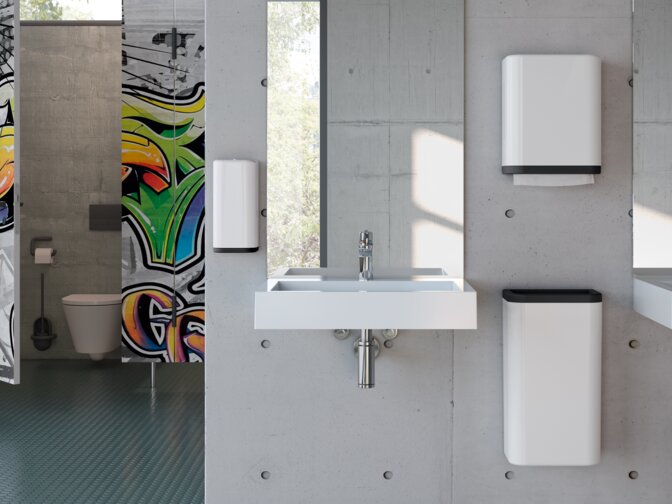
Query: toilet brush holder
{"x": 42, "y": 336}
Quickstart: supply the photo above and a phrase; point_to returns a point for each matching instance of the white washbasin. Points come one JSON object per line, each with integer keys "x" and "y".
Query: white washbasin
{"x": 333, "y": 298}
{"x": 652, "y": 294}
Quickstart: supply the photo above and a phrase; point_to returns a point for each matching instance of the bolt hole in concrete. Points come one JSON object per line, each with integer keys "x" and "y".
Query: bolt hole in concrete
{"x": 633, "y": 475}
{"x": 388, "y": 475}
{"x": 509, "y": 475}
{"x": 265, "y": 344}
{"x": 390, "y": 334}
{"x": 510, "y": 213}
{"x": 265, "y": 475}
{"x": 341, "y": 334}
{"x": 634, "y": 344}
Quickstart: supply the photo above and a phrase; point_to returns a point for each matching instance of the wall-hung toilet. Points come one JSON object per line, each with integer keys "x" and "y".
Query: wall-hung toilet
{"x": 94, "y": 321}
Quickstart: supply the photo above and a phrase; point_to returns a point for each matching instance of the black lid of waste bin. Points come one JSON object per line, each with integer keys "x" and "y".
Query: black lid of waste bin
{"x": 552, "y": 295}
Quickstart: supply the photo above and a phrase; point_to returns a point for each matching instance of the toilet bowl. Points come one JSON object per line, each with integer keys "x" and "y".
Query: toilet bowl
{"x": 94, "y": 321}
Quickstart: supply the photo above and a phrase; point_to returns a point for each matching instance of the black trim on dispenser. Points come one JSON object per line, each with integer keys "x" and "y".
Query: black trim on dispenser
{"x": 552, "y": 296}
{"x": 551, "y": 170}
{"x": 236, "y": 250}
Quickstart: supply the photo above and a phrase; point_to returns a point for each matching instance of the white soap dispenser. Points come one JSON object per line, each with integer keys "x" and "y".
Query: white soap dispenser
{"x": 235, "y": 206}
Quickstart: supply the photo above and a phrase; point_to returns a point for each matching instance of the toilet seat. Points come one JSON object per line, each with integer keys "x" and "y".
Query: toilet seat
{"x": 92, "y": 300}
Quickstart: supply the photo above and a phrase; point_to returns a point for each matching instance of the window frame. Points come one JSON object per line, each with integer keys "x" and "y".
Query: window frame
{"x": 323, "y": 133}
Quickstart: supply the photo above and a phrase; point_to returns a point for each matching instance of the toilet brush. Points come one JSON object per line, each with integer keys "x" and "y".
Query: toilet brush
{"x": 42, "y": 335}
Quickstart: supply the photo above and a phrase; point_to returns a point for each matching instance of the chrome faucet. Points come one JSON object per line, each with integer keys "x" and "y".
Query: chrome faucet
{"x": 365, "y": 256}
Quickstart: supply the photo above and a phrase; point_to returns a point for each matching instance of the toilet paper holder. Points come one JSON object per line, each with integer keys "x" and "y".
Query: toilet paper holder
{"x": 33, "y": 242}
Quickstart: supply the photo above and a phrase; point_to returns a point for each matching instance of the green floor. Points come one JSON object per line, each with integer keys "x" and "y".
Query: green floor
{"x": 82, "y": 432}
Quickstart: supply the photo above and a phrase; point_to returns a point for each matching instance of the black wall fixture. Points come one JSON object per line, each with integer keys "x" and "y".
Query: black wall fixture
{"x": 105, "y": 217}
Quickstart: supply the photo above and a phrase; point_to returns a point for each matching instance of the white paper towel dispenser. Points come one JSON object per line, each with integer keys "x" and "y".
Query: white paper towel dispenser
{"x": 551, "y": 116}
{"x": 235, "y": 206}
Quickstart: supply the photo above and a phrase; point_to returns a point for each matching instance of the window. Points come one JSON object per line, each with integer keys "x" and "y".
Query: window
{"x": 294, "y": 134}
{"x": 71, "y": 10}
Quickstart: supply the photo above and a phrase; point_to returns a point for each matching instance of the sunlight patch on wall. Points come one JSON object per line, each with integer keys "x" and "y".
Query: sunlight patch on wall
{"x": 437, "y": 182}
{"x": 650, "y": 223}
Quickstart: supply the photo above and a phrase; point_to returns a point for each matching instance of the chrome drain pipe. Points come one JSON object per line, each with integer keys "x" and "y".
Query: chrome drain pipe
{"x": 367, "y": 358}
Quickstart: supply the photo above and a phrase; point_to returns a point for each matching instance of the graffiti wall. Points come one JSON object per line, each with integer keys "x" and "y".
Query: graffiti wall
{"x": 8, "y": 353}
{"x": 163, "y": 181}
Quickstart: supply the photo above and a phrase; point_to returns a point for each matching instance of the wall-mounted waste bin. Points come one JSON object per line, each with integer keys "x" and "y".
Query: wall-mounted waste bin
{"x": 552, "y": 377}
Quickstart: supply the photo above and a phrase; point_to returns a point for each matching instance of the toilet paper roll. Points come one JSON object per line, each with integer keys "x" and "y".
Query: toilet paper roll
{"x": 44, "y": 256}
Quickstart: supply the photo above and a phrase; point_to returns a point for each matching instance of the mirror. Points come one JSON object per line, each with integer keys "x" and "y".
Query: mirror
{"x": 652, "y": 131}
{"x": 365, "y": 111}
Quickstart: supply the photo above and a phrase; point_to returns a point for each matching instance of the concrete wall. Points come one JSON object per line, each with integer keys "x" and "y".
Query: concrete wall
{"x": 435, "y": 418}
{"x": 71, "y": 154}
{"x": 578, "y": 236}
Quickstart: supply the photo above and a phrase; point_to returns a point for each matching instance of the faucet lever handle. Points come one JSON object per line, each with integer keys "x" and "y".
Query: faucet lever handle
{"x": 365, "y": 238}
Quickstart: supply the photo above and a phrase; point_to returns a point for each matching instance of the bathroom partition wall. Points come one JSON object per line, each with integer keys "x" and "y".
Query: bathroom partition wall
{"x": 163, "y": 181}
{"x": 9, "y": 342}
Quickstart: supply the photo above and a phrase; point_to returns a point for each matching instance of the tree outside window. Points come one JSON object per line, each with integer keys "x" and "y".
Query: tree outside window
{"x": 293, "y": 134}
{"x": 70, "y": 10}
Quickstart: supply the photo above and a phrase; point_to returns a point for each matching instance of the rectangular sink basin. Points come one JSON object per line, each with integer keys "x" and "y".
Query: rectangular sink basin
{"x": 652, "y": 295}
{"x": 333, "y": 298}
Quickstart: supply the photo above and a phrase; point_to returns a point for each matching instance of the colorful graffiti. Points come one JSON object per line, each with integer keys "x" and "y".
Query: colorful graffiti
{"x": 6, "y": 147}
{"x": 163, "y": 187}
{"x": 149, "y": 328}
{"x": 7, "y": 343}
{"x": 162, "y": 175}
